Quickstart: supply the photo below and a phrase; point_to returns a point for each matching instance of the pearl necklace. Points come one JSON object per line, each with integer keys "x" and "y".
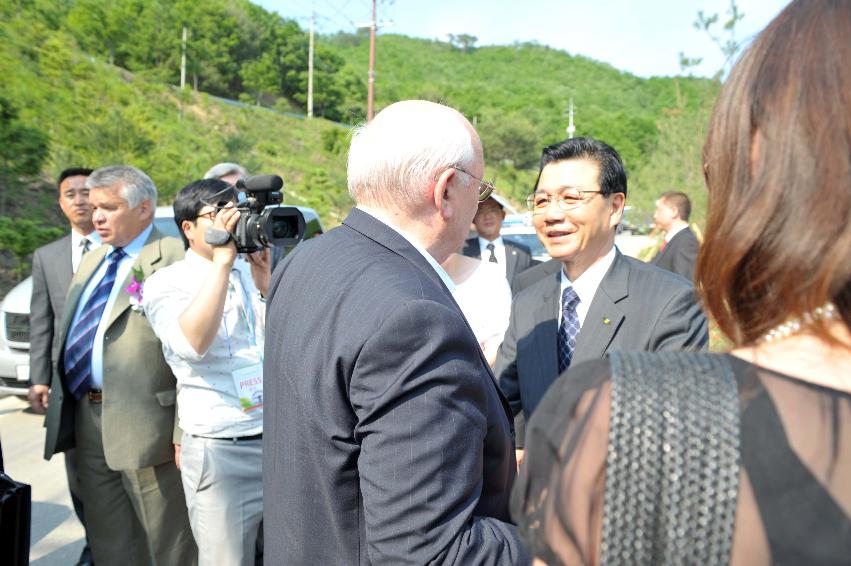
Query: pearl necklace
{"x": 794, "y": 325}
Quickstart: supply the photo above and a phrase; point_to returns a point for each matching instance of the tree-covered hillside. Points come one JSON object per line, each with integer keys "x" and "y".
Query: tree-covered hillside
{"x": 92, "y": 82}
{"x": 519, "y": 94}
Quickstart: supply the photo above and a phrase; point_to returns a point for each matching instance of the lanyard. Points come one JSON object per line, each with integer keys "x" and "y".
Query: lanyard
{"x": 245, "y": 312}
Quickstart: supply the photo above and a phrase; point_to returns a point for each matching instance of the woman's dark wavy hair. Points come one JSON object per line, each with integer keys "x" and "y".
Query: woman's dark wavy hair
{"x": 778, "y": 169}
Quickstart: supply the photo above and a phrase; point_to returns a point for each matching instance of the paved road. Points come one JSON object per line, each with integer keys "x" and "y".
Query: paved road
{"x": 57, "y": 536}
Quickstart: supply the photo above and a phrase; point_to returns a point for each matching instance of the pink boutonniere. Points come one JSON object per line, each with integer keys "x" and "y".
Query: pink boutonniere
{"x": 135, "y": 289}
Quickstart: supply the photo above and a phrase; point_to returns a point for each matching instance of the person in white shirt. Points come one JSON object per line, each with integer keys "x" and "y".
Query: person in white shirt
{"x": 484, "y": 296}
{"x": 511, "y": 257}
{"x": 209, "y": 313}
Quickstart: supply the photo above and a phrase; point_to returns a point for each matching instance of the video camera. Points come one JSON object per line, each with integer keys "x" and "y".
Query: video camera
{"x": 262, "y": 223}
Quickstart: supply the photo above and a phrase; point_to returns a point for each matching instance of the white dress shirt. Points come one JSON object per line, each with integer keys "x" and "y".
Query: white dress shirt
{"x": 78, "y": 246}
{"x": 586, "y": 285}
{"x": 131, "y": 251}
{"x": 498, "y": 251}
{"x": 208, "y": 404}
{"x": 485, "y": 300}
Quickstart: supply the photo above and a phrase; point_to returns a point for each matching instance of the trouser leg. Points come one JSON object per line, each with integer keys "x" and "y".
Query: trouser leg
{"x": 114, "y": 532}
{"x": 223, "y": 482}
{"x": 74, "y": 484}
{"x": 156, "y": 493}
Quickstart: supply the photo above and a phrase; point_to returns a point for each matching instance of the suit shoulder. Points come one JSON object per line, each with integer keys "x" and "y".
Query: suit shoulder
{"x": 534, "y": 290}
{"x": 61, "y": 245}
{"x": 172, "y": 247}
{"x": 650, "y": 275}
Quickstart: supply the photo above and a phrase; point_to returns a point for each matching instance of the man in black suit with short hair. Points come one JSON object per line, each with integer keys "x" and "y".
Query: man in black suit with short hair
{"x": 490, "y": 246}
{"x": 386, "y": 439}
{"x": 678, "y": 252}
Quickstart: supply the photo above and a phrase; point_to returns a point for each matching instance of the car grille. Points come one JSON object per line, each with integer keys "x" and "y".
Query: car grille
{"x": 17, "y": 327}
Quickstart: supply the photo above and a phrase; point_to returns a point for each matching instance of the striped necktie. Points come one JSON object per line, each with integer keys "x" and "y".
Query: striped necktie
{"x": 569, "y": 330}
{"x": 81, "y": 337}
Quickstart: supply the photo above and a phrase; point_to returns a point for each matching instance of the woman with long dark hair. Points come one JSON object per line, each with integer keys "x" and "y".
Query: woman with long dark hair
{"x": 740, "y": 458}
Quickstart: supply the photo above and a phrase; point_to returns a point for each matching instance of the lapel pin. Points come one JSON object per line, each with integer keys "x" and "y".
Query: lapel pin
{"x": 606, "y": 321}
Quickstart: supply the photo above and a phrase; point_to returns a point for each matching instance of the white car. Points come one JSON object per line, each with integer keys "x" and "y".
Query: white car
{"x": 15, "y": 310}
{"x": 519, "y": 228}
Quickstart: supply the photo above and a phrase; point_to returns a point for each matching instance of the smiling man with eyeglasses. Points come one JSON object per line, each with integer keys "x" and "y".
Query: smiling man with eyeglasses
{"x": 591, "y": 299}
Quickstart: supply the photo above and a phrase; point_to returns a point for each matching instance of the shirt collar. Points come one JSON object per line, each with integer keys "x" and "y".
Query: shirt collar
{"x": 586, "y": 284}
{"x": 497, "y": 242}
{"x": 419, "y": 247}
{"x": 134, "y": 248}
{"x": 674, "y": 231}
{"x": 77, "y": 237}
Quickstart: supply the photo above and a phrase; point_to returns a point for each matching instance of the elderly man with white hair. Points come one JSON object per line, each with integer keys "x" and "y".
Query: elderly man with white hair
{"x": 386, "y": 438}
{"x": 113, "y": 395}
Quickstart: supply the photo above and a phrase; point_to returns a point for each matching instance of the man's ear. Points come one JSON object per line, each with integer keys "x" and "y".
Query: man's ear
{"x": 618, "y": 200}
{"x": 442, "y": 201}
{"x": 145, "y": 208}
{"x": 186, "y": 227}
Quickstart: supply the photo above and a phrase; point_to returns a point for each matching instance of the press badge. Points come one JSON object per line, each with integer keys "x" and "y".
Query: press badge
{"x": 248, "y": 382}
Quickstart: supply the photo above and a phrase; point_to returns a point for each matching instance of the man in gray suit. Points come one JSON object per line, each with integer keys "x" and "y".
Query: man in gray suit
{"x": 600, "y": 300}
{"x": 53, "y": 266}
{"x": 113, "y": 395}
{"x": 386, "y": 440}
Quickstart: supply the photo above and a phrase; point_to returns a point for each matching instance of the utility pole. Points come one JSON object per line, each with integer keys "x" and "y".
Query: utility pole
{"x": 370, "y": 96}
{"x": 183, "y": 58}
{"x": 571, "y": 129}
{"x": 310, "y": 69}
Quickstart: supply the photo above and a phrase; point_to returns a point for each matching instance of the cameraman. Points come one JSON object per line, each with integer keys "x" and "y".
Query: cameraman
{"x": 210, "y": 317}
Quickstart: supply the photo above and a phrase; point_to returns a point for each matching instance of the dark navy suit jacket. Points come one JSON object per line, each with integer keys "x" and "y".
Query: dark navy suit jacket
{"x": 637, "y": 308}
{"x": 386, "y": 439}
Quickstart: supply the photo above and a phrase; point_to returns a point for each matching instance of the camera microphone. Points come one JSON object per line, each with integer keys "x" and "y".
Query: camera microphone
{"x": 260, "y": 183}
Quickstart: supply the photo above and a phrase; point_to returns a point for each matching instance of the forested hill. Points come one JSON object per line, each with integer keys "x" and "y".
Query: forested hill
{"x": 91, "y": 82}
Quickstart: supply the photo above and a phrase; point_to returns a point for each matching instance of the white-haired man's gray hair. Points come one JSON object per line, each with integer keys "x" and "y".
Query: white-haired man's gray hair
{"x": 136, "y": 186}
{"x": 395, "y": 156}
{"x": 220, "y": 170}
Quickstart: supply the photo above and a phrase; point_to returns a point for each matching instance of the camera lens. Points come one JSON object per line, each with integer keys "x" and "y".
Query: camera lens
{"x": 284, "y": 227}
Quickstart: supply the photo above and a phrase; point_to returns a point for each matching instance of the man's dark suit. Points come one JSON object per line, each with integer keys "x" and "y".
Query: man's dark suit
{"x": 386, "y": 438}
{"x": 518, "y": 258}
{"x": 680, "y": 254}
{"x": 51, "y": 275}
{"x": 637, "y": 307}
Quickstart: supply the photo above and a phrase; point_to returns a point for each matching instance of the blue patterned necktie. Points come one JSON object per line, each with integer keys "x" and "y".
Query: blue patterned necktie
{"x": 569, "y": 329}
{"x": 81, "y": 337}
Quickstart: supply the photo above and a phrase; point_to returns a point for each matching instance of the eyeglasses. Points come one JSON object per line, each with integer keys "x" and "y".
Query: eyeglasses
{"x": 211, "y": 215}
{"x": 568, "y": 199}
{"x": 485, "y": 187}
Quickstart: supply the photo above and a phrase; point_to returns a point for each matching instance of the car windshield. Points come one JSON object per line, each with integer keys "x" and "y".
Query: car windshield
{"x": 531, "y": 241}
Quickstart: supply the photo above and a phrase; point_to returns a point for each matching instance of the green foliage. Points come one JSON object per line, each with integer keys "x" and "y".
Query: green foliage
{"x": 91, "y": 77}
{"x": 22, "y": 237}
{"x": 23, "y": 150}
{"x": 90, "y": 113}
